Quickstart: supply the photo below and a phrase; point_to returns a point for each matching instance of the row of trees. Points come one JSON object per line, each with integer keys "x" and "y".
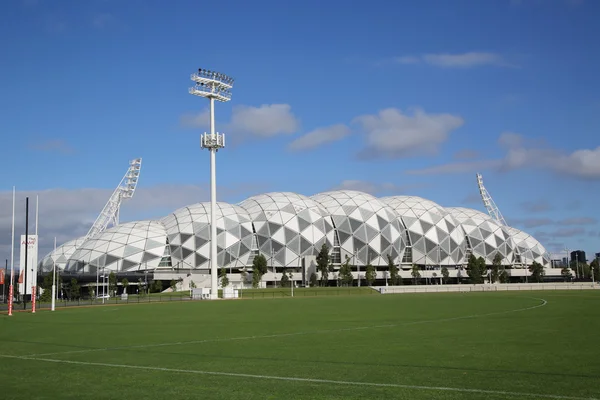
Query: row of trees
{"x": 476, "y": 269}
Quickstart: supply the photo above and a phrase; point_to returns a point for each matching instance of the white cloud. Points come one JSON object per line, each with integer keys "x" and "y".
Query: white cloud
{"x": 536, "y": 206}
{"x": 466, "y": 154}
{"x": 522, "y": 153}
{"x": 52, "y": 145}
{"x": 407, "y": 60}
{"x": 198, "y": 120}
{"x": 69, "y": 213}
{"x": 372, "y": 187}
{"x": 528, "y": 223}
{"x": 267, "y": 120}
{"x": 320, "y": 136}
{"x": 457, "y": 168}
{"x": 393, "y": 134}
{"x": 458, "y": 60}
{"x": 578, "y": 221}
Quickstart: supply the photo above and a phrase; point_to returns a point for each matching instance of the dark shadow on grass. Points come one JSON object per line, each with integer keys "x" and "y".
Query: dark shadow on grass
{"x": 52, "y": 344}
{"x": 367, "y": 364}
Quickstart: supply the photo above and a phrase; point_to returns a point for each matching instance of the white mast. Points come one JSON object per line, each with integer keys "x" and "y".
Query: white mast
{"x": 125, "y": 190}
{"x": 488, "y": 202}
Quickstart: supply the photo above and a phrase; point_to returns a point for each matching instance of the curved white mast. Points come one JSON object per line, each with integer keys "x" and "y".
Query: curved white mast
{"x": 488, "y": 202}
{"x": 495, "y": 213}
{"x": 125, "y": 190}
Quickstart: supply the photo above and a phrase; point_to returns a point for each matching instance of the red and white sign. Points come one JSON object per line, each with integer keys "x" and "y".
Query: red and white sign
{"x": 2, "y": 277}
{"x": 32, "y": 260}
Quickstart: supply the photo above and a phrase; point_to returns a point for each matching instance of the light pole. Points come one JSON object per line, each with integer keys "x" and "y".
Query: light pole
{"x": 97, "y": 282}
{"x": 357, "y": 267}
{"x": 214, "y": 86}
{"x": 53, "y": 307}
{"x": 273, "y": 268}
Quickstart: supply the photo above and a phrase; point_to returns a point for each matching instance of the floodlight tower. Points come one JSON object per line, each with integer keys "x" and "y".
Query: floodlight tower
{"x": 125, "y": 190}
{"x": 494, "y": 212}
{"x": 214, "y": 86}
{"x": 488, "y": 202}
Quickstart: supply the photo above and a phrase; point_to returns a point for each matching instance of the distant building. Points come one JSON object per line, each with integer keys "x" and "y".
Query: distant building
{"x": 579, "y": 256}
{"x": 598, "y": 256}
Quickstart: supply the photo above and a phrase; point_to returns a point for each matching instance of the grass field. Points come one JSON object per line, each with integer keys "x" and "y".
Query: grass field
{"x": 413, "y": 346}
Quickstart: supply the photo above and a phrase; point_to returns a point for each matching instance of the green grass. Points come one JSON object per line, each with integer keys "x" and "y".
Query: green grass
{"x": 305, "y": 292}
{"x": 462, "y": 341}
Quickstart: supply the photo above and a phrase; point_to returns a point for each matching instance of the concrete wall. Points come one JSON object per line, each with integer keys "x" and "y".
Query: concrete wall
{"x": 500, "y": 287}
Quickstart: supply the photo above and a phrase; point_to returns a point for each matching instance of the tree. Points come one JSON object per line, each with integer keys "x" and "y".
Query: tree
{"x": 141, "y": 287}
{"x": 445, "y": 274}
{"x": 224, "y": 278}
{"x": 173, "y": 284}
{"x": 112, "y": 283}
{"x": 415, "y": 273}
{"x": 259, "y": 264}
{"x": 496, "y": 266}
{"x": 74, "y": 289}
{"x": 393, "y": 268}
{"x": 595, "y": 267}
{"x": 243, "y": 276}
{"x": 345, "y": 273}
{"x": 586, "y": 271}
{"x": 47, "y": 286}
{"x": 537, "y": 271}
{"x": 157, "y": 287}
{"x": 285, "y": 280}
{"x": 125, "y": 283}
{"x": 474, "y": 269}
{"x": 255, "y": 278}
{"x": 313, "y": 280}
{"x": 504, "y": 278}
{"x": 566, "y": 274}
{"x": 370, "y": 275}
{"x": 323, "y": 264}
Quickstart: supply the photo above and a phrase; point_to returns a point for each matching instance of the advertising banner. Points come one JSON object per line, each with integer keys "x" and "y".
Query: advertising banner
{"x": 1, "y": 277}
{"x": 32, "y": 261}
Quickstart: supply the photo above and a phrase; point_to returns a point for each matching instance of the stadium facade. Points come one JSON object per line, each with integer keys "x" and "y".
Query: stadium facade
{"x": 289, "y": 230}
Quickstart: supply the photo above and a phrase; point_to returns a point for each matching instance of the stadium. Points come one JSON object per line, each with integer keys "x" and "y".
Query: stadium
{"x": 289, "y": 230}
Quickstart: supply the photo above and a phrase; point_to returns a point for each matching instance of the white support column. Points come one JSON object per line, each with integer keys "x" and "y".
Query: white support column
{"x": 214, "y": 294}
{"x": 54, "y": 278}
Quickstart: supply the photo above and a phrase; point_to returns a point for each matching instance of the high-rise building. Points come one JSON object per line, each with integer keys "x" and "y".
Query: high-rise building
{"x": 579, "y": 256}
{"x": 598, "y": 256}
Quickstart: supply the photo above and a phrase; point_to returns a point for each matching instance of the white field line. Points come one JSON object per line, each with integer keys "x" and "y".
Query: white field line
{"x": 278, "y": 335}
{"x": 310, "y": 380}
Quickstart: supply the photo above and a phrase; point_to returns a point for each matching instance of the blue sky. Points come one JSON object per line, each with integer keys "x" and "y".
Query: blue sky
{"x": 387, "y": 97}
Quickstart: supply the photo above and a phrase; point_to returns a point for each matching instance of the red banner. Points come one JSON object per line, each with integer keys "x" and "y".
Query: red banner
{"x": 2, "y": 277}
{"x": 33, "y": 299}
{"x": 10, "y": 299}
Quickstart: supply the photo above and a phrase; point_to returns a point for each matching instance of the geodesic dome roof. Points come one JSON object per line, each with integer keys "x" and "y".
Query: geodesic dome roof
{"x": 289, "y": 226}
{"x": 435, "y": 235}
{"x": 60, "y": 256}
{"x": 365, "y": 225}
{"x": 127, "y": 247}
{"x": 529, "y": 248}
{"x": 188, "y": 231}
{"x": 484, "y": 234}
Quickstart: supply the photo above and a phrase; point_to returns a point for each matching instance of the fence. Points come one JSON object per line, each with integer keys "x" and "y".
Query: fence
{"x": 500, "y": 287}
{"x": 60, "y": 303}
